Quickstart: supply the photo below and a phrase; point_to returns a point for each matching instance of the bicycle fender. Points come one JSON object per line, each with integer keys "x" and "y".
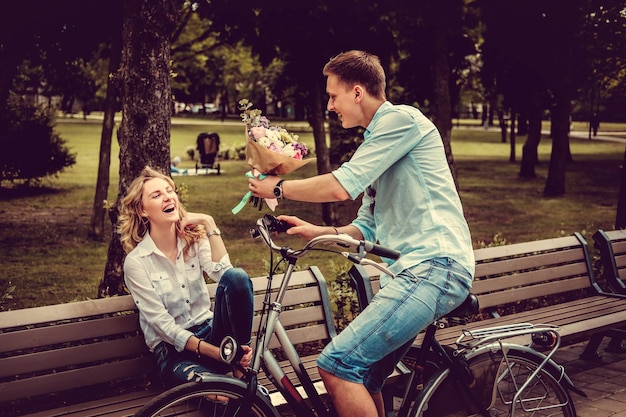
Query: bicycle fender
{"x": 556, "y": 370}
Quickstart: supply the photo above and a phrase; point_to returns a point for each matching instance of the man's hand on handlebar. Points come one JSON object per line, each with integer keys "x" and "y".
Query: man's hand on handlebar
{"x": 305, "y": 229}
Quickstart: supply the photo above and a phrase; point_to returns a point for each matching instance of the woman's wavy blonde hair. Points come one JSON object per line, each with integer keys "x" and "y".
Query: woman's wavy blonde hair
{"x": 132, "y": 226}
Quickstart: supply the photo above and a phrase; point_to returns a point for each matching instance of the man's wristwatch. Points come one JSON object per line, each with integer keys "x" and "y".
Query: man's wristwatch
{"x": 214, "y": 232}
{"x": 278, "y": 189}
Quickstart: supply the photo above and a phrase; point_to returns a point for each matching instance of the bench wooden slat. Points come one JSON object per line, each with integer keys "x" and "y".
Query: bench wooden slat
{"x": 76, "y": 378}
{"x": 75, "y": 355}
{"x": 496, "y": 267}
{"x": 69, "y": 311}
{"x": 538, "y": 290}
{"x": 516, "y": 249}
{"x": 68, "y": 332}
{"x": 123, "y": 405}
{"x": 484, "y": 286}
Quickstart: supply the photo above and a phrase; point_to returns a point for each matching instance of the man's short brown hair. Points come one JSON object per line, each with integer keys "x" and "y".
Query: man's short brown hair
{"x": 358, "y": 67}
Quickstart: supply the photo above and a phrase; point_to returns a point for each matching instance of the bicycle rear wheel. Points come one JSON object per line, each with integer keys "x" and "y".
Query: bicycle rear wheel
{"x": 495, "y": 383}
{"x": 209, "y": 398}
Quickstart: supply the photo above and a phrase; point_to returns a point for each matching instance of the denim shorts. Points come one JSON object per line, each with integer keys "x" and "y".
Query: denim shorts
{"x": 367, "y": 350}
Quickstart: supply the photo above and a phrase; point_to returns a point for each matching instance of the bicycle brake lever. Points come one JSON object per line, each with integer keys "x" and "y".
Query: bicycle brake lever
{"x": 352, "y": 257}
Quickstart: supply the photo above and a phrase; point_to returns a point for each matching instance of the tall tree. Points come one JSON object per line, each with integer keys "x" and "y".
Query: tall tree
{"x": 144, "y": 134}
{"x": 96, "y": 230}
{"x": 566, "y": 18}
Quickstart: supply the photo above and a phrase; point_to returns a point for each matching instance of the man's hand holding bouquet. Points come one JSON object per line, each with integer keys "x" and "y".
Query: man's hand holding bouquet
{"x": 270, "y": 150}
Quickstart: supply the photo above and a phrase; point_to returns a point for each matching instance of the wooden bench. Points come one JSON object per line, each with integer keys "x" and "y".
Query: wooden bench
{"x": 89, "y": 358}
{"x": 612, "y": 247}
{"x": 547, "y": 281}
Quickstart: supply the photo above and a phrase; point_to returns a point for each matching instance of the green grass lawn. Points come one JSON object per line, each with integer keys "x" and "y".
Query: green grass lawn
{"x": 46, "y": 255}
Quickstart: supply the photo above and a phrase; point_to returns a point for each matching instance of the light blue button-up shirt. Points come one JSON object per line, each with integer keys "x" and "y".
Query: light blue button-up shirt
{"x": 171, "y": 298}
{"x": 417, "y": 209}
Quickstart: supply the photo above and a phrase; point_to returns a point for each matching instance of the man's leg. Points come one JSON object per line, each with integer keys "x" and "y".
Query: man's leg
{"x": 352, "y": 399}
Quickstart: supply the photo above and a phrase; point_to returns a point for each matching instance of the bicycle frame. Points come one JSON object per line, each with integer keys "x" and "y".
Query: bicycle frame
{"x": 264, "y": 357}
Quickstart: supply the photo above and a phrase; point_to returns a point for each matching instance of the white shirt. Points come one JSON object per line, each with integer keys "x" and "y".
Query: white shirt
{"x": 171, "y": 298}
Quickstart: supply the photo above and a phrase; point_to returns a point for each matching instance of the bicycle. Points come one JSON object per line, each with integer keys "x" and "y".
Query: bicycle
{"x": 482, "y": 376}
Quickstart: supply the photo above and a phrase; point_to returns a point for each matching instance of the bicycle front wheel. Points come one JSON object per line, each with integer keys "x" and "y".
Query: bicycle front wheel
{"x": 497, "y": 379}
{"x": 209, "y": 398}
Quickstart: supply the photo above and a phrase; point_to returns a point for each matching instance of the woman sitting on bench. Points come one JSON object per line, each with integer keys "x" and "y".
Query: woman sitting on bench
{"x": 168, "y": 252}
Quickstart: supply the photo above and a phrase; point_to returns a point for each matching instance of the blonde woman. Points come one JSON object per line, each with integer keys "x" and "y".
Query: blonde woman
{"x": 168, "y": 252}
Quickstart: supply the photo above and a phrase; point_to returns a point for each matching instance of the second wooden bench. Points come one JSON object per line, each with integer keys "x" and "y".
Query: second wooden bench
{"x": 547, "y": 281}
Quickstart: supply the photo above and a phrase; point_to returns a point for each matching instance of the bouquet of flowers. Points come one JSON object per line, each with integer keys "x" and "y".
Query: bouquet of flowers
{"x": 270, "y": 150}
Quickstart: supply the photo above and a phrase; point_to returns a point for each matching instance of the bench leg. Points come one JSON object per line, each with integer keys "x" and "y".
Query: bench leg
{"x": 591, "y": 350}
{"x": 615, "y": 344}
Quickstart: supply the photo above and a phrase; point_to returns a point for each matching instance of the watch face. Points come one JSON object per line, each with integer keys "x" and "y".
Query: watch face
{"x": 278, "y": 190}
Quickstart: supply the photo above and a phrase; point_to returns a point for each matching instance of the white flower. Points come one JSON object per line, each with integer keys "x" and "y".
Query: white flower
{"x": 265, "y": 141}
{"x": 289, "y": 151}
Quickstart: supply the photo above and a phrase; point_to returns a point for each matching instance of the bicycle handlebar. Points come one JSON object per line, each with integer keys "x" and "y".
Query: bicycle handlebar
{"x": 268, "y": 224}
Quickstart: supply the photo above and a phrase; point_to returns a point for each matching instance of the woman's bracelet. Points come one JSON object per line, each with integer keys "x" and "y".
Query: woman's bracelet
{"x": 335, "y": 229}
{"x": 198, "y": 348}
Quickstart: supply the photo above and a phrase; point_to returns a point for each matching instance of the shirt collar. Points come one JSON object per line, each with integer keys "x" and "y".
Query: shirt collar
{"x": 386, "y": 105}
{"x": 146, "y": 246}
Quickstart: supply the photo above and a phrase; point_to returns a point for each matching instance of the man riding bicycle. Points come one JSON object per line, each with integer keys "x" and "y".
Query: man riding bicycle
{"x": 410, "y": 204}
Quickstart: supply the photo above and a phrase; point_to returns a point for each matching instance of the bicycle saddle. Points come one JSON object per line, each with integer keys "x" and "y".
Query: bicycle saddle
{"x": 468, "y": 308}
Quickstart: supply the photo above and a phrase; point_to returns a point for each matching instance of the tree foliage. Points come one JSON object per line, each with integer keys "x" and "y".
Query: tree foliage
{"x": 31, "y": 150}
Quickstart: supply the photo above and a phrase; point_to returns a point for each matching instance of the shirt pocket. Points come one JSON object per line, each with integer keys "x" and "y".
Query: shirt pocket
{"x": 195, "y": 276}
{"x": 161, "y": 282}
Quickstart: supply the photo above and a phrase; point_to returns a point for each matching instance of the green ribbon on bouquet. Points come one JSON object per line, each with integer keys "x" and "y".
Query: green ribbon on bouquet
{"x": 247, "y": 195}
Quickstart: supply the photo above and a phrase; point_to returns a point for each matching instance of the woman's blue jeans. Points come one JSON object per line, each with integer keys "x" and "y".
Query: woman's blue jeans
{"x": 234, "y": 306}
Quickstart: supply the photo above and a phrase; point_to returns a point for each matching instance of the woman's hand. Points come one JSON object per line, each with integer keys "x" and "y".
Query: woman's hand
{"x": 198, "y": 218}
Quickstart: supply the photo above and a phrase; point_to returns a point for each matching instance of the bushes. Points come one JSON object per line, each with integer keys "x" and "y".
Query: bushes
{"x": 30, "y": 149}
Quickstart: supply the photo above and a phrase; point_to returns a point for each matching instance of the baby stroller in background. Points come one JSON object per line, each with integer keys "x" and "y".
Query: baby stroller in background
{"x": 208, "y": 145}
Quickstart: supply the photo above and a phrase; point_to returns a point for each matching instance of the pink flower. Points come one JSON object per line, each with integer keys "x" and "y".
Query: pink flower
{"x": 257, "y": 132}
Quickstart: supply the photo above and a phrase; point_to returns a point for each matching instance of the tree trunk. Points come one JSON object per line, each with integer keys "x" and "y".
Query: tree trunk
{"x": 96, "y": 231}
{"x": 562, "y": 82}
{"x": 512, "y": 155}
{"x": 555, "y": 183}
{"x": 529, "y": 150}
{"x": 620, "y": 218}
{"x": 144, "y": 134}
{"x": 316, "y": 121}
{"x": 440, "y": 75}
{"x": 503, "y": 126}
